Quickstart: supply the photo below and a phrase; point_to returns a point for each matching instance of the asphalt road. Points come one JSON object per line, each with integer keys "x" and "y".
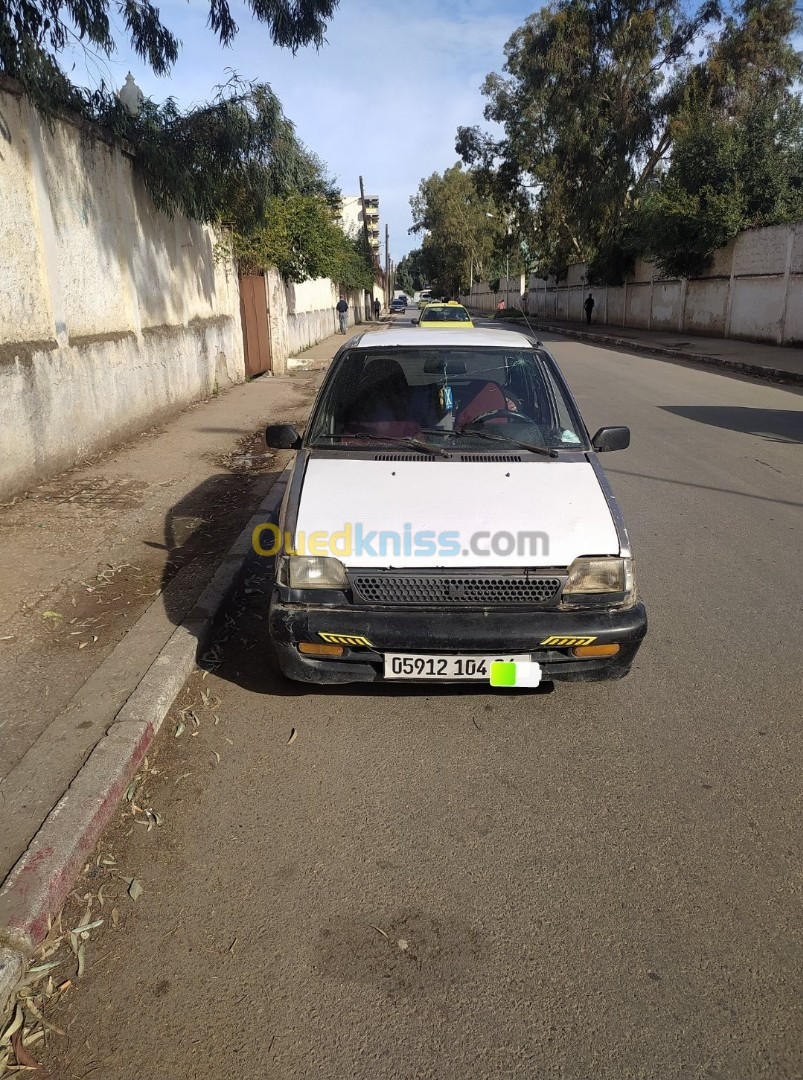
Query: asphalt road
{"x": 603, "y": 881}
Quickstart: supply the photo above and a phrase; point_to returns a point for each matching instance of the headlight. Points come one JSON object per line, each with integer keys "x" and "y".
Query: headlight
{"x": 317, "y": 572}
{"x": 597, "y": 576}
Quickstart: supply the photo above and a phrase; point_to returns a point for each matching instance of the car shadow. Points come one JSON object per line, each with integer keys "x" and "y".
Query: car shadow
{"x": 775, "y": 425}
{"x": 199, "y": 530}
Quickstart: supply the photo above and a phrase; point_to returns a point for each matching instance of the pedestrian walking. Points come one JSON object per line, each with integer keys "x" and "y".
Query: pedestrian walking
{"x": 342, "y": 314}
{"x": 377, "y": 307}
{"x": 589, "y": 306}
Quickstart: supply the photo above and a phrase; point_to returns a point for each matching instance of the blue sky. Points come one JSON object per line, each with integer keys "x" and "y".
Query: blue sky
{"x": 421, "y": 60}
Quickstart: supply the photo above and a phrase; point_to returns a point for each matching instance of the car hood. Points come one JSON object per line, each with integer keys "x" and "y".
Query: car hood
{"x": 554, "y": 510}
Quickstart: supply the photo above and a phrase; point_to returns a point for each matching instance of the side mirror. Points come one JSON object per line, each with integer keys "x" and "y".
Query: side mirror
{"x": 611, "y": 438}
{"x": 414, "y": 322}
{"x": 282, "y": 437}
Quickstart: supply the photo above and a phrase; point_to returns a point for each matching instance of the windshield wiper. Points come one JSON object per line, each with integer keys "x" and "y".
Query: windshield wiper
{"x": 462, "y": 433}
{"x": 405, "y": 440}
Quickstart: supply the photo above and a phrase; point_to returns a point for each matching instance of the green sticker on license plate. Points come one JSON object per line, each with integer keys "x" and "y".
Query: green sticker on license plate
{"x": 515, "y": 673}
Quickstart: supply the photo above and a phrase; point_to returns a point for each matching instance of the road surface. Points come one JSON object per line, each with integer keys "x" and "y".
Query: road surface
{"x": 604, "y": 881}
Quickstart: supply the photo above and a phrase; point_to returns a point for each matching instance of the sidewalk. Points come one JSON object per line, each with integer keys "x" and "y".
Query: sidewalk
{"x": 775, "y": 362}
{"x": 102, "y": 563}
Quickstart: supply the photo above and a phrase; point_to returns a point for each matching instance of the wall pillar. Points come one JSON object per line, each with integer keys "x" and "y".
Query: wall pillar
{"x": 729, "y": 301}
{"x": 787, "y": 280}
{"x": 684, "y": 288}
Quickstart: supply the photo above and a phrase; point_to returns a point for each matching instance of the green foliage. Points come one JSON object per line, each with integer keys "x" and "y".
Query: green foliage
{"x": 620, "y": 140}
{"x": 410, "y": 275}
{"x": 584, "y": 106}
{"x": 509, "y": 313}
{"x": 615, "y": 257}
{"x": 737, "y": 159}
{"x": 34, "y": 32}
{"x": 299, "y": 235}
{"x": 462, "y": 227}
{"x": 223, "y": 161}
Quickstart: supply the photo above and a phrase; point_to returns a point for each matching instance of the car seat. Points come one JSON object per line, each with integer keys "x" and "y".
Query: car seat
{"x": 381, "y": 402}
{"x": 476, "y": 398}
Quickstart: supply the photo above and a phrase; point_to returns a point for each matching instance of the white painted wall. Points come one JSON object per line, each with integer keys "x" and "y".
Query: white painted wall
{"x": 482, "y": 298}
{"x": 753, "y": 291}
{"x": 300, "y": 315}
{"x": 112, "y": 316}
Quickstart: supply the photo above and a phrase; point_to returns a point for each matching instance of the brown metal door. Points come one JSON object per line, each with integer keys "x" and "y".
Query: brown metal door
{"x": 254, "y": 314}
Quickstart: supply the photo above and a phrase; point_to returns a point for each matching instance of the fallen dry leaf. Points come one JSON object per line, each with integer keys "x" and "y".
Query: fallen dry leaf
{"x": 21, "y": 1054}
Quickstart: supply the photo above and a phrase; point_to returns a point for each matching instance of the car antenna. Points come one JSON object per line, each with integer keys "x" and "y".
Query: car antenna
{"x": 529, "y": 327}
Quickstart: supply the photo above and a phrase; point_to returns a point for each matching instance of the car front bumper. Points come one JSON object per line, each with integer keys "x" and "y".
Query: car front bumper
{"x": 439, "y": 631}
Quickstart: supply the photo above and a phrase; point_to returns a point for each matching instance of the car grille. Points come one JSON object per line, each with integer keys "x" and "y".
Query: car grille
{"x": 485, "y": 458}
{"x": 514, "y": 589}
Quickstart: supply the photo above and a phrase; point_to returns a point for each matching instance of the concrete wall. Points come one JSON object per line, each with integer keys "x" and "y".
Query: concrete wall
{"x": 300, "y": 315}
{"x": 753, "y": 291}
{"x": 483, "y": 299}
{"x": 112, "y": 316}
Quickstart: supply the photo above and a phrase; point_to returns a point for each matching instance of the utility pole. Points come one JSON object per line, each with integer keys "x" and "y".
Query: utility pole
{"x": 507, "y": 262}
{"x": 387, "y": 264}
{"x": 364, "y": 218}
{"x": 369, "y": 252}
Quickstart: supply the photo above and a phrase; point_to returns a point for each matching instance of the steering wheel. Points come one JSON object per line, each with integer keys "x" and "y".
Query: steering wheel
{"x": 499, "y": 414}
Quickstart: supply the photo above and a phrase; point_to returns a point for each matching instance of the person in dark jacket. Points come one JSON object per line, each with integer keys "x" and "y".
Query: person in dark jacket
{"x": 342, "y": 310}
{"x": 377, "y": 307}
{"x": 589, "y": 306}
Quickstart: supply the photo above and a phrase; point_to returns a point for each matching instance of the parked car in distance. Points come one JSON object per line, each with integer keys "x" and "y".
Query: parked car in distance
{"x": 399, "y": 306}
{"x": 446, "y": 510}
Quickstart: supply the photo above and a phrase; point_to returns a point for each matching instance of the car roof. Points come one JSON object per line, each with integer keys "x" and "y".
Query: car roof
{"x": 418, "y": 335}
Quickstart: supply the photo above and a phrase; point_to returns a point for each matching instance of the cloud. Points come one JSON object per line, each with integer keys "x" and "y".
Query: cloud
{"x": 382, "y": 99}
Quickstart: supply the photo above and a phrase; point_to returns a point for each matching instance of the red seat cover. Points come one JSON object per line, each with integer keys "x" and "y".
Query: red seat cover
{"x": 487, "y": 397}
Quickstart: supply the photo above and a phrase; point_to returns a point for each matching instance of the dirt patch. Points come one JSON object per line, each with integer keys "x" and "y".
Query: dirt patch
{"x": 57, "y": 636}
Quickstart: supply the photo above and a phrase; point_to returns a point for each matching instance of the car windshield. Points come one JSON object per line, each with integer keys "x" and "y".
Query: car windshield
{"x": 445, "y": 314}
{"x": 443, "y": 396}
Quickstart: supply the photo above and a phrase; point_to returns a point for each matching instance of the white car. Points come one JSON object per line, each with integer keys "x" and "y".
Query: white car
{"x": 446, "y": 509}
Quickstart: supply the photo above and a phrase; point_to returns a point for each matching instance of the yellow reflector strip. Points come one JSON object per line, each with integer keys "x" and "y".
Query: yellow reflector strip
{"x": 313, "y": 649}
{"x": 595, "y": 650}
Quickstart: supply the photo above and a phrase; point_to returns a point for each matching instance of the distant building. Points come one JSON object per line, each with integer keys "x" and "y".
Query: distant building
{"x": 351, "y": 217}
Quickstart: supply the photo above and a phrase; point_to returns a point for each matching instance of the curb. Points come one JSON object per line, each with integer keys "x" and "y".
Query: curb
{"x": 41, "y": 880}
{"x": 756, "y": 370}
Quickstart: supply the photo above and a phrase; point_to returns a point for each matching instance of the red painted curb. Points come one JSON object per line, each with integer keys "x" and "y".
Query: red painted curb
{"x": 40, "y": 882}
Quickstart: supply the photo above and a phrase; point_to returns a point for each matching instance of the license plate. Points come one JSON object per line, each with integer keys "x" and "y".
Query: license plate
{"x": 420, "y": 666}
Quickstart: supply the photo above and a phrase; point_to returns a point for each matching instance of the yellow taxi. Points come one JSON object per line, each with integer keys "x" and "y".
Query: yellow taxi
{"x": 451, "y": 316}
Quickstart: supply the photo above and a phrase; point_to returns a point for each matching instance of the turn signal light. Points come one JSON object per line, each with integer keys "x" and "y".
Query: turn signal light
{"x": 595, "y": 650}
{"x": 310, "y": 648}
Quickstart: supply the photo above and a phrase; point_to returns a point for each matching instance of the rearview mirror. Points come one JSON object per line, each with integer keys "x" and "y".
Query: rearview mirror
{"x": 282, "y": 437}
{"x": 414, "y": 322}
{"x": 611, "y": 438}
